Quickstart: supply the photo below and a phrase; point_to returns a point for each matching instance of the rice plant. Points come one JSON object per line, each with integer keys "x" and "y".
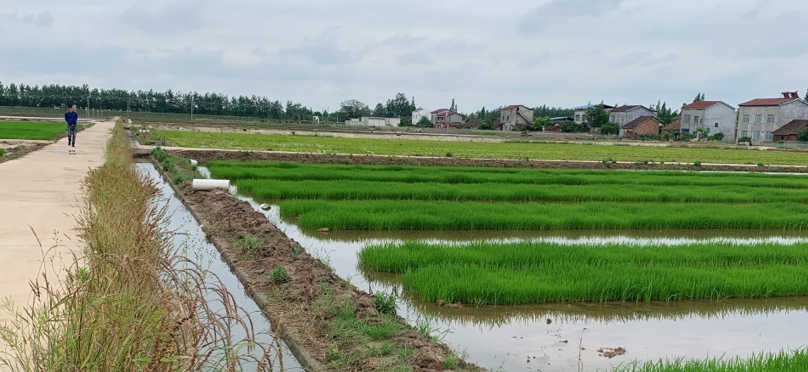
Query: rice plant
{"x": 521, "y": 273}
{"x": 761, "y": 362}
{"x": 420, "y": 215}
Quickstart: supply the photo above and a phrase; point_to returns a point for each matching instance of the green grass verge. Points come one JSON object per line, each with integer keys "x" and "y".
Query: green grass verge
{"x": 420, "y": 215}
{"x": 521, "y": 273}
{"x": 546, "y": 151}
{"x": 28, "y": 130}
{"x": 764, "y": 362}
{"x": 180, "y": 169}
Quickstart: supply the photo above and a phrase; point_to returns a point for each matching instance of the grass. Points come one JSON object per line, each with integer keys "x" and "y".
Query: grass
{"x": 522, "y": 273}
{"x": 28, "y": 130}
{"x": 420, "y": 215}
{"x": 279, "y": 275}
{"x": 128, "y": 304}
{"x": 250, "y": 245}
{"x": 180, "y": 169}
{"x": 762, "y": 362}
{"x": 546, "y": 151}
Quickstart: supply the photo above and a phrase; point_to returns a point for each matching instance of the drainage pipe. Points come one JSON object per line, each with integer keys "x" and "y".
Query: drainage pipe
{"x": 207, "y": 185}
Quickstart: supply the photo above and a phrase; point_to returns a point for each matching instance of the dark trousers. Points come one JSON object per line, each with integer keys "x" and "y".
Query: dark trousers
{"x": 71, "y": 134}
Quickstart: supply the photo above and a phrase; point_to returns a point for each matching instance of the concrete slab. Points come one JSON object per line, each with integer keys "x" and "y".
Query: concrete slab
{"x": 42, "y": 191}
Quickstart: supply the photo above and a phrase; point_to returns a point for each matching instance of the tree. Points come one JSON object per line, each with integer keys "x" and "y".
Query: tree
{"x": 353, "y": 109}
{"x": 699, "y": 97}
{"x": 610, "y": 128}
{"x": 806, "y": 95}
{"x": 803, "y": 135}
{"x": 424, "y": 123}
{"x": 485, "y": 125}
{"x": 453, "y": 107}
{"x": 399, "y": 106}
{"x": 665, "y": 114}
{"x": 703, "y": 133}
{"x": 380, "y": 110}
{"x": 542, "y": 122}
{"x": 597, "y": 116}
{"x": 570, "y": 127}
{"x": 406, "y": 121}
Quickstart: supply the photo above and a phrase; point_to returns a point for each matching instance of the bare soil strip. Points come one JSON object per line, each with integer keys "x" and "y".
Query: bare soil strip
{"x": 303, "y": 308}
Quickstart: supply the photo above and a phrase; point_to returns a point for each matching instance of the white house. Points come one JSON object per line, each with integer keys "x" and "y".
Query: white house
{"x": 417, "y": 115}
{"x": 716, "y": 116}
{"x": 625, "y": 114}
{"x": 375, "y": 122}
{"x": 759, "y": 118}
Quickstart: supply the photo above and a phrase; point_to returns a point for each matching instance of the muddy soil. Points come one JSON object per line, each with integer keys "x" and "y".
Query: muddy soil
{"x": 16, "y": 149}
{"x": 295, "y": 307}
{"x": 204, "y": 156}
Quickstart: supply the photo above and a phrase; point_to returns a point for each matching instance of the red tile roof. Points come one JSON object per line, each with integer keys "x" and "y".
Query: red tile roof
{"x": 636, "y": 122}
{"x": 767, "y": 102}
{"x": 511, "y": 107}
{"x": 439, "y": 111}
{"x": 792, "y": 128}
{"x": 700, "y": 105}
{"x": 674, "y": 125}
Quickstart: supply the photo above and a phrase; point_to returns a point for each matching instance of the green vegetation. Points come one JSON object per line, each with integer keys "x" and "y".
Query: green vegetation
{"x": 419, "y": 215}
{"x": 507, "y": 150}
{"x": 520, "y": 273}
{"x": 28, "y": 130}
{"x": 127, "y": 304}
{"x": 250, "y": 245}
{"x": 385, "y": 303}
{"x": 763, "y": 362}
{"x": 180, "y": 169}
{"x": 2, "y": 152}
{"x": 279, "y": 275}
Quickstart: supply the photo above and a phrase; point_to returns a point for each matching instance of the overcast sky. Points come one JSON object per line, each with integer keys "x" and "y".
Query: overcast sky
{"x": 479, "y": 52}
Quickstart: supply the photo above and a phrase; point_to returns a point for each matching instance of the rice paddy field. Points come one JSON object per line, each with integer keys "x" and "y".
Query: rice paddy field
{"x": 508, "y": 150}
{"x": 27, "y": 130}
{"x": 529, "y": 270}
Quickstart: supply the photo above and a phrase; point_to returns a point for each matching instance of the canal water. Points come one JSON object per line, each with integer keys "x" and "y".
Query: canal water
{"x": 189, "y": 240}
{"x": 567, "y": 337}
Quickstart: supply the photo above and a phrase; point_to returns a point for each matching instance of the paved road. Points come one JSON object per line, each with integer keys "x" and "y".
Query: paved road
{"x": 41, "y": 191}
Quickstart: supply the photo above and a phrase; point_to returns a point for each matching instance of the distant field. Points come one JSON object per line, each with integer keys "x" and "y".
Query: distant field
{"x": 533, "y": 151}
{"x": 27, "y": 130}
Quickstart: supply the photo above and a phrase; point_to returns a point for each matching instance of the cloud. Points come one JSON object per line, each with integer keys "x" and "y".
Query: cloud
{"x": 174, "y": 18}
{"x": 577, "y": 8}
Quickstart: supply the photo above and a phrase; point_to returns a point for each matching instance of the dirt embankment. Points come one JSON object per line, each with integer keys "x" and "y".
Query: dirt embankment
{"x": 204, "y": 156}
{"x": 309, "y": 307}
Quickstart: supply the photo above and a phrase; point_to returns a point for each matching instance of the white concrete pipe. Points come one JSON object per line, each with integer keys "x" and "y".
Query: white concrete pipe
{"x": 207, "y": 185}
{"x": 194, "y": 162}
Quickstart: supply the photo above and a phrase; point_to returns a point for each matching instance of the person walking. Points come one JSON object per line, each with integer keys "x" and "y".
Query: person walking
{"x": 72, "y": 119}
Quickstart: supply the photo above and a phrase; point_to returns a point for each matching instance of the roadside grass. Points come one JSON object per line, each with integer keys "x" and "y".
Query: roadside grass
{"x": 127, "y": 302}
{"x": 180, "y": 169}
{"x": 443, "y": 215}
{"x": 29, "y": 130}
{"x": 762, "y": 362}
{"x": 510, "y": 150}
{"x": 524, "y": 273}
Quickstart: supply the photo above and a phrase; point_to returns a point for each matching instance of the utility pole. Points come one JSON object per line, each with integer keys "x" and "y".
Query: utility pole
{"x": 88, "y": 104}
{"x": 192, "y": 107}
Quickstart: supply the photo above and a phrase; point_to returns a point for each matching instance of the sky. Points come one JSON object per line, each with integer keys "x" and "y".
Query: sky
{"x": 562, "y": 53}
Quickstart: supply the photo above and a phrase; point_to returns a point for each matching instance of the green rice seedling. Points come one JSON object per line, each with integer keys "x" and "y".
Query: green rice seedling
{"x": 279, "y": 275}
{"x": 28, "y": 130}
{"x": 419, "y": 215}
{"x": 761, "y": 362}
{"x": 504, "y": 150}
{"x": 521, "y": 273}
{"x": 374, "y": 190}
{"x": 460, "y": 175}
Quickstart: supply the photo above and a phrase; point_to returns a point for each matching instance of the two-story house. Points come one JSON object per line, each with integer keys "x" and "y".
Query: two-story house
{"x": 716, "y": 116}
{"x": 627, "y": 113}
{"x": 580, "y": 112}
{"x": 446, "y": 119}
{"x": 515, "y": 116}
{"x": 417, "y": 115}
{"x": 759, "y": 118}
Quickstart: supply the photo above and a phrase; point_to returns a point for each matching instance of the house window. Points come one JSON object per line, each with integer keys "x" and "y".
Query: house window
{"x": 756, "y": 135}
{"x": 770, "y": 118}
{"x": 745, "y": 118}
{"x": 716, "y": 125}
{"x": 696, "y": 120}
{"x": 758, "y": 118}
{"x": 508, "y": 118}
{"x": 687, "y": 119}
{"x": 744, "y": 133}
{"x": 769, "y": 135}
{"x": 577, "y": 117}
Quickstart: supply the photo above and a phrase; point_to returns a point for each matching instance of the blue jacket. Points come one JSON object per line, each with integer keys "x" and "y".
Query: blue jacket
{"x": 71, "y": 117}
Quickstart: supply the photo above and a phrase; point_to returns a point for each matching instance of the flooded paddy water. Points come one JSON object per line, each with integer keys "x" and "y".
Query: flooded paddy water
{"x": 568, "y": 337}
{"x": 189, "y": 241}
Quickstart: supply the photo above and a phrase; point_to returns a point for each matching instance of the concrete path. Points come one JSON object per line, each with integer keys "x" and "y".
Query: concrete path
{"x": 42, "y": 191}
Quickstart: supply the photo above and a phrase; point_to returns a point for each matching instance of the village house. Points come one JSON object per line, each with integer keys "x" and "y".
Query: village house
{"x": 417, "y": 115}
{"x": 444, "y": 118}
{"x": 580, "y": 112}
{"x": 374, "y": 122}
{"x": 643, "y": 125}
{"x": 790, "y": 131}
{"x": 625, "y": 114}
{"x": 716, "y": 116}
{"x": 515, "y": 117}
{"x": 674, "y": 130}
{"x": 759, "y": 118}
